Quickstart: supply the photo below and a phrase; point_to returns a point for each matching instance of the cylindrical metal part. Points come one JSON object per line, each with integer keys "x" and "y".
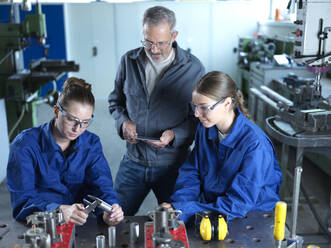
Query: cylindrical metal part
{"x": 161, "y": 220}
{"x": 274, "y": 95}
{"x": 134, "y": 232}
{"x": 111, "y": 236}
{"x": 59, "y": 216}
{"x": 264, "y": 98}
{"x": 50, "y": 227}
{"x": 104, "y": 206}
{"x": 100, "y": 241}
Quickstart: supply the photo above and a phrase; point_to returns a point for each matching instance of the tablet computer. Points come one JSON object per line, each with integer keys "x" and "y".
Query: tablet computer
{"x": 145, "y": 138}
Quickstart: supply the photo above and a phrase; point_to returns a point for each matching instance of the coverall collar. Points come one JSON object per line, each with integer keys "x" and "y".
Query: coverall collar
{"x": 231, "y": 139}
{"x": 47, "y": 141}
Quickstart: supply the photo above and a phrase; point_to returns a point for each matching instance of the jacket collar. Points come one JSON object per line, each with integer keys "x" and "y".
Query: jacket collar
{"x": 232, "y": 138}
{"x": 47, "y": 141}
{"x": 180, "y": 57}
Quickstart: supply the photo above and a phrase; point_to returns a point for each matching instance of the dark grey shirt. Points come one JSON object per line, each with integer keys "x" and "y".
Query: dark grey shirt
{"x": 167, "y": 108}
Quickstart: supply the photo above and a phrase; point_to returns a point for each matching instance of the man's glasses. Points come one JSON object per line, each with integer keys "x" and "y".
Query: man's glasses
{"x": 204, "y": 109}
{"x": 72, "y": 121}
{"x": 160, "y": 45}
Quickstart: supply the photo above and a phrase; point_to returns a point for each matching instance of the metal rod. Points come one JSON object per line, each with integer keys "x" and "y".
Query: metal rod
{"x": 275, "y": 96}
{"x": 296, "y": 190}
{"x": 264, "y": 98}
{"x": 17, "y": 122}
{"x": 6, "y": 56}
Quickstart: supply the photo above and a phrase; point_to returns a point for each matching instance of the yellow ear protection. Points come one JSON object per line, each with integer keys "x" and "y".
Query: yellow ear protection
{"x": 211, "y": 225}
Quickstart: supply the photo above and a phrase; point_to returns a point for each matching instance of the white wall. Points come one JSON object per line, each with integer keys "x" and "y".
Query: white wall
{"x": 210, "y": 29}
{"x": 3, "y": 140}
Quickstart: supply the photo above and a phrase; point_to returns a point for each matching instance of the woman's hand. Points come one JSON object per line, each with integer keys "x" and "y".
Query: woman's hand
{"x": 74, "y": 213}
{"x": 115, "y": 217}
{"x": 167, "y": 206}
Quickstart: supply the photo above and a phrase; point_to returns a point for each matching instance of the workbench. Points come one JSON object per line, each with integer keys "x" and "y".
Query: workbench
{"x": 256, "y": 230}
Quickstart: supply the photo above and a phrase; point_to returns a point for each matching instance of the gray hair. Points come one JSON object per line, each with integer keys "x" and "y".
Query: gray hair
{"x": 159, "y": 14}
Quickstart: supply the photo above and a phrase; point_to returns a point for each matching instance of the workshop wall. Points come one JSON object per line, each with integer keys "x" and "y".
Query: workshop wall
{"x": 98, "y": 34}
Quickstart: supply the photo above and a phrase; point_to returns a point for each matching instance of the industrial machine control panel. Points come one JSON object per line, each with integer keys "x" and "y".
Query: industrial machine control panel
{"x": 312, "y": 27}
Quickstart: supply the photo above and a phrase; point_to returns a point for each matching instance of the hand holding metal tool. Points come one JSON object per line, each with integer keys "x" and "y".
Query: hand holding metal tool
{"x": 96, "y": 203}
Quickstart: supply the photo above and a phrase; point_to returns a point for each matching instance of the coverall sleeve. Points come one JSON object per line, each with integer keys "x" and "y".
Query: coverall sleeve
{"x": 116, "y": 99}
{"x": 98, "y": 177}
{"x": 242, "y": 195}
{"x": 188, "y": 184}
{"x": 184, "y": 132}
{"x": 21, "y": 177}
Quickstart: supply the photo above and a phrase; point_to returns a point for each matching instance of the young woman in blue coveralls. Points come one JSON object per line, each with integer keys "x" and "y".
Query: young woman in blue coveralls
{"x": 233, "y": 168}
{"x": 58, "y": 163}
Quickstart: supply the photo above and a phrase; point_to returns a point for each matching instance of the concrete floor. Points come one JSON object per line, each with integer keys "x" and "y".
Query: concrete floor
{"x": 317, "y": 183}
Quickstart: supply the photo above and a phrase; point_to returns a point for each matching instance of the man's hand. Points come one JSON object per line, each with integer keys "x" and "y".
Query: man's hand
{"x": 115, "y": 217}
{"x": 129, "y": 132}
{"x": 167, "y": 206}
{"x": 165, "y": 139}
{"x": 74, "y": 213}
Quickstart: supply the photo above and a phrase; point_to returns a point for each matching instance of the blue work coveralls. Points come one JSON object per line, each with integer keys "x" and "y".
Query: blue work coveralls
{"x": 235, "y": 176}
{"x": 41, "y": 177}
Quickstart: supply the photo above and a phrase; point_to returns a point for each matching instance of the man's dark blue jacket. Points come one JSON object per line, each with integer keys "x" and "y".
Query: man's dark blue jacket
{"x": 167, "y": 107}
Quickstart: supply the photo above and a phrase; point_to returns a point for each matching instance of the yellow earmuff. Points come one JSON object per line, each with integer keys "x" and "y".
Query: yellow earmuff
{"x": 216, "y": 228}
{"x": 206, "y": 228}
{"x": 222, "y": 228}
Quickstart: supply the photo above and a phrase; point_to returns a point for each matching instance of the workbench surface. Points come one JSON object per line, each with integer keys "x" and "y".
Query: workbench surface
{"x": 256, "y": 230}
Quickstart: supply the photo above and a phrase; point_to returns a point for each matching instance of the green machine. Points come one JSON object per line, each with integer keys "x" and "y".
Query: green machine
{"x": 258, "y": 48}
{"x": 20, "y": 87}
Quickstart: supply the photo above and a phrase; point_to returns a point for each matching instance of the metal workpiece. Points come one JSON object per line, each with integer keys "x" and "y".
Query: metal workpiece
{"x": 59, "y": 217}
{"x": 51, "y": 229}
{"x": 160, "y": 218}
{"x": 112, "y": 236}
{"x": 100, "y": 241}
{"x": 161, "y": 235}
{"x": 47, "y": 221}
{"x": 37, "y": 238}
{"x": 106, "y": 207}
{"x": 134, "y": 232}
{"x": 60, "y": 234}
